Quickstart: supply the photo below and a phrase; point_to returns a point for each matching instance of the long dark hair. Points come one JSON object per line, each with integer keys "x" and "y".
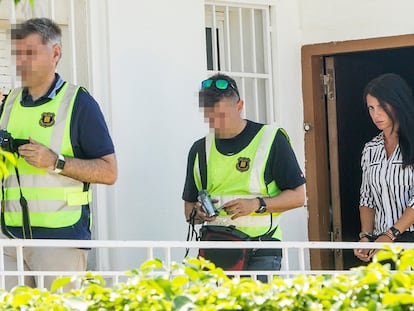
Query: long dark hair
{"x": 393, "y": 90}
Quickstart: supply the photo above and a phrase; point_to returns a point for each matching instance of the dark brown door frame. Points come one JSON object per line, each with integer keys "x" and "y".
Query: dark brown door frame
{"x": 316, "y": 149}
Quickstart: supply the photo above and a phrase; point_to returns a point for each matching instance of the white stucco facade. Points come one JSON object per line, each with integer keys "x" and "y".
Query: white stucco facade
{"x": 145, "y": 61}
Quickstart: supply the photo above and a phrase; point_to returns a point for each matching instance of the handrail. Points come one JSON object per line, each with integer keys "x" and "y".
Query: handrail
{"x": 115, "y": 276}
{"x": 193, "y": 244}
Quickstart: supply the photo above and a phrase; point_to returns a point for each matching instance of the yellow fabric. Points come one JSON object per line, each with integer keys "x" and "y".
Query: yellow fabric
{"x": 224, "y": 179}
{"x": 72, "y": 196}
{"x": 58, "y": 203}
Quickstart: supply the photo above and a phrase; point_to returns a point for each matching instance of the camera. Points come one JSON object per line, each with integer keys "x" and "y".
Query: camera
{"x": 8, "y": 143}
{"x": 206, "y": 203}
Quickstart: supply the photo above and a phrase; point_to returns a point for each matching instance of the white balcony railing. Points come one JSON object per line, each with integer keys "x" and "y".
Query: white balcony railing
{"x": 298, "y": 248}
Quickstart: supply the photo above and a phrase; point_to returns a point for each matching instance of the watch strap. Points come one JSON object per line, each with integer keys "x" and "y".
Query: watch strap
{"x": 59, "y": 164}
{"x": 395, "y": 231}
{"x": 263, "y": 205}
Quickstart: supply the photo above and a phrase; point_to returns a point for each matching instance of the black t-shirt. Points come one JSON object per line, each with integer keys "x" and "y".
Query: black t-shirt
{"x": 281, "y": 167}
{"x": 2, "y": 101}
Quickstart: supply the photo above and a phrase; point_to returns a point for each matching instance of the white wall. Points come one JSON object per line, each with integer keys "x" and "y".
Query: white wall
{"x": 157, "y": 60}
{"x": 288, "y": 97}
{"x": 338, "y": 20}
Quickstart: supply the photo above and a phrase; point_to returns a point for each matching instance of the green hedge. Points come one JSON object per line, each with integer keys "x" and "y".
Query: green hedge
{"x": 199, "y": 285}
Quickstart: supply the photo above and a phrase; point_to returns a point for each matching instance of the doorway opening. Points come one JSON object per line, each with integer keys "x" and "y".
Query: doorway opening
{"x": 337, "y": 127}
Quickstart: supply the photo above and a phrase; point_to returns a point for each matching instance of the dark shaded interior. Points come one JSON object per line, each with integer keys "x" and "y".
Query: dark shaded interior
{"x": 353, "y": 71}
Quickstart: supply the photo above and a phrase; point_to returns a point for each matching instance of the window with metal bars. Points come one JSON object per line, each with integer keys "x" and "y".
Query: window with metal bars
{"x": 238, "y": 44}
{"x": 5, "y": 62}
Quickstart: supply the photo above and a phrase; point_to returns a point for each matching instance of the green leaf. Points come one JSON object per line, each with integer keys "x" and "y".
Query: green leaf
{"x": 60, "y": 282}
{"x": 398, "y": 299}
{"x": 180, "y": 302}
{"x": 150, "y": 265}
{"x": 21, "y": 299}
{"x": 383, "y": 255}
{"x": 406, "y": 260}
{"x": 179, "y": 281}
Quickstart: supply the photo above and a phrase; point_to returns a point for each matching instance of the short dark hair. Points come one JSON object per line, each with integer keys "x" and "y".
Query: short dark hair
{"x": 392, "y": 89}
{"x": 45, "y": 27}
{"x": 208, "y": 97}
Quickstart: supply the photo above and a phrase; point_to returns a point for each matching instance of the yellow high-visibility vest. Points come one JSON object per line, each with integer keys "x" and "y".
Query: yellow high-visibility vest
{"x": 241, "y": 175}
{"x": 54, "y": 201}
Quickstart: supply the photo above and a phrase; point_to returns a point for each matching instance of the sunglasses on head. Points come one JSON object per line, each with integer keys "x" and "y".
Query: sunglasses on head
{"x": 219, "y": 84}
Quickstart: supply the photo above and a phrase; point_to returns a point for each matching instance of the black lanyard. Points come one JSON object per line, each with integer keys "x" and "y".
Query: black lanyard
{"x": 26, "y": 228}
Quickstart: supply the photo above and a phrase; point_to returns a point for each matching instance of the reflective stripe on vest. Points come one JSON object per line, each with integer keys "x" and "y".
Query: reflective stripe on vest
{"x": 250, "y": 185}
{"x": 54, "y": 200}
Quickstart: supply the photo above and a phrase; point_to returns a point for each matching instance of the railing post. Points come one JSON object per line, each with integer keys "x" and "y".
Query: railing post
{"x": 167, "y": 257}
{"x": 2, "y": 268}
{"x": 301, "y": 251}
{"x": 20, "y": 264}
{"x": 40, "y": 281}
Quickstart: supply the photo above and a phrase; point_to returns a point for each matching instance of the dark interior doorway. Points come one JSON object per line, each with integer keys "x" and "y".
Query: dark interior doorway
{"x": 355, "y": 63}
{"x": 354, "y": 127}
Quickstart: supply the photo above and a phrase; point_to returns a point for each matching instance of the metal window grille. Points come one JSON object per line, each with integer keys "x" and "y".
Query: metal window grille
{"x": 238, "y": 43}
{"x": 62, "y": 12}
{"x": 5, "y": 60}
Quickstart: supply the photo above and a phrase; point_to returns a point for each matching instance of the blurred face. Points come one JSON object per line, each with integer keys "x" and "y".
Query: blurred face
{"x": 35, "y": 61}
{"x": 223, "y": 115}
{"x": 379, "y": 116}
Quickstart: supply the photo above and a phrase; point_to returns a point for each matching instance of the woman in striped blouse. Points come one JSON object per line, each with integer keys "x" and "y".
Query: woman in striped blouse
{"x": 387, "y": 188}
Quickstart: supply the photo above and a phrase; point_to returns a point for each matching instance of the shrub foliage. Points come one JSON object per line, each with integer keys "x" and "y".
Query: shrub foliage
{"x": 197, "y": 284}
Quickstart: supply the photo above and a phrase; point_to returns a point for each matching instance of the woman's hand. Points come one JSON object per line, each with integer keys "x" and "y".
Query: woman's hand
{"x": 367, "y": 254}
{"x": 364, "y": 254}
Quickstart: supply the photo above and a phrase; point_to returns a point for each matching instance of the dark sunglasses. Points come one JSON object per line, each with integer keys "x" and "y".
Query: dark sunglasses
{"x": 220, "y": 84}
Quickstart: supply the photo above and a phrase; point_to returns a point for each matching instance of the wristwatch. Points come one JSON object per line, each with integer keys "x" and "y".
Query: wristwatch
{"x": 395, "y": 232}
{"x": 59, "y": 164}
{"x": 263, "y": 206}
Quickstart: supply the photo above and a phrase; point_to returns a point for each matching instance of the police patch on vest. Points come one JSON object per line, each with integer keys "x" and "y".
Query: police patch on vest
{"x": 47, "y": 119}
{"x": 243, "y": 164}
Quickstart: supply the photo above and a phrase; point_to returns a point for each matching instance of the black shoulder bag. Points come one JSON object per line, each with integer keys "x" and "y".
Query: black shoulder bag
{"x": 230, "y": 259}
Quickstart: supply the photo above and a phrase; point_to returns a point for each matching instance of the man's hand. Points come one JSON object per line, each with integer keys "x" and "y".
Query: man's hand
{"x": 201, "y": 214}
{"x": 241, "y": 207}
{"x": 38, "y": 155}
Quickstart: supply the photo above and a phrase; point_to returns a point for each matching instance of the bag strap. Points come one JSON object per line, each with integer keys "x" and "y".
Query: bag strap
{"x": 26, "y": 227}
{"x": 191, "y": 231}
{"x": 202, "y": 165}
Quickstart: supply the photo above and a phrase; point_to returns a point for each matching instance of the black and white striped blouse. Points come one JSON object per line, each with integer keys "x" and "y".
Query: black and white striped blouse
{"x": 386, "y": 186}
